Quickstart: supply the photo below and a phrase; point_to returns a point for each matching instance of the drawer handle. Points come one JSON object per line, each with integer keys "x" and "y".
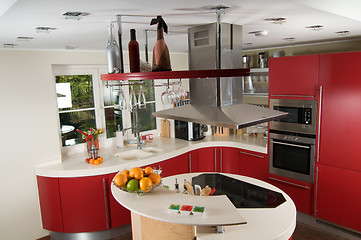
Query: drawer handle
{"x": 290, "y": 183}
{"x": 254, "y": 155}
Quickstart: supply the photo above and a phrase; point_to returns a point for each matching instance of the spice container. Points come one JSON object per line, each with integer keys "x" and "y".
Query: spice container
{"x": 186, "y": 209}
{"x": 198, "y": 210}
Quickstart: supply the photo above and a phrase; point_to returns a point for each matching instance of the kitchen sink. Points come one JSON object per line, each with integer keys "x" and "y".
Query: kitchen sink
{"x": 133, "y": 154}
{"x": 152, "y": 149}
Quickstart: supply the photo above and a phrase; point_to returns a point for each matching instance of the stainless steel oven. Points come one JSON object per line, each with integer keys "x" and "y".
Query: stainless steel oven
{"x": 301, "y": 117}
{"x": 292, "y": 156}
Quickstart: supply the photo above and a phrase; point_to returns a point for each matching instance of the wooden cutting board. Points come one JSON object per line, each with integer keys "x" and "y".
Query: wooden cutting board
{"x": 165, "y": 128}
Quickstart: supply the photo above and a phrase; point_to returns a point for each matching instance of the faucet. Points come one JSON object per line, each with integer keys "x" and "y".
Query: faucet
{"x": 136, "y": 130}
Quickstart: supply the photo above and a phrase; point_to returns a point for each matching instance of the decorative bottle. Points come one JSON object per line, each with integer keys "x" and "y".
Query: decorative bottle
{"x": 133, "y": 48}
{"x": 161, "y": 58}
{"x": 113, "y": 54}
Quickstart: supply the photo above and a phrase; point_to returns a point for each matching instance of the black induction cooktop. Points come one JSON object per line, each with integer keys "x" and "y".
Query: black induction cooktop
{"x": 240, "y": 193}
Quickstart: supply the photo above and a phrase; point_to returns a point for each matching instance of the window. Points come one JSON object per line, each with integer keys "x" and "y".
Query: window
{"x": 84, "y": 101}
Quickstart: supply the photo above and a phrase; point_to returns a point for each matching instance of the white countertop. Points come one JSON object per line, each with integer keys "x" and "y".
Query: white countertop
{"x": 262, "y": 223}
{"x": 75, "y": 165}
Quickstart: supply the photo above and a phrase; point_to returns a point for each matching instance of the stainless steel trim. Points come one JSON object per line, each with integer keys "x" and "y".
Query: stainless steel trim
{"x": 190, "y": 162}
{"x": 106, "y": 202}
{"x": 289, "y": 144}
{"x": 215, "y": 159}
{"x": 221, "y": 160}
{"x": 290, "y": 183}
{"x": 281, "y": 95}
{"x": 316, "y": 189}
{"x": 319, "y": 123}
{"x": 254, "y": 155}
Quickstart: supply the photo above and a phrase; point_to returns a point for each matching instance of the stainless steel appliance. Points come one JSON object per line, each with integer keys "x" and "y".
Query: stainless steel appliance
{"x": 293, "y": 139}
{"x": 189, "y": 130}
{"x": 301, "y": 117}
{"x": 292, "y": 156}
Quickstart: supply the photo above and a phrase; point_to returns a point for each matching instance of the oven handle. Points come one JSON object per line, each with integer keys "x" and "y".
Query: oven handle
{"x": 290, "y": 183}
{"x": 289, "y": 144}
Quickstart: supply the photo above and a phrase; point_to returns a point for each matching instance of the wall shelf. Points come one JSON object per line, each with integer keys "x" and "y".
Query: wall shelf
{"x": 176, "y": 74}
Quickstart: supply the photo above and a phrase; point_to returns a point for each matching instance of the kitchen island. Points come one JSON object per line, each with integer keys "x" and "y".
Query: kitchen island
{"x": 254, "y": 223}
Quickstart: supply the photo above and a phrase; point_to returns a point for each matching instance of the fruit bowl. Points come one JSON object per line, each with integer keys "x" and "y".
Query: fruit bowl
{"x": 139, "y": 192}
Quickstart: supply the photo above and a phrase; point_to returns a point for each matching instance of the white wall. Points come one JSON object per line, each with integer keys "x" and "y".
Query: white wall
{"x": 29, "y": 132}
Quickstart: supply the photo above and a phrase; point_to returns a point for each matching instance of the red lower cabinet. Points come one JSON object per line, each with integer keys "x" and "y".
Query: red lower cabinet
{"x": 119, "y": 215}
{"x": 229, "y": 160}
{"x": 84, "y": 204}
{"x": 177, "y": 165}
{"x": 339, "y": 196}
{"x": 300, "y": 192}
{"x": 254, "y": 164}
{"x": 49, "y": 198}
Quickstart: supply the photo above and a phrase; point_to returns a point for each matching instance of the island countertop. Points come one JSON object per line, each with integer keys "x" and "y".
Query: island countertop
{"x": 74, "y": 165}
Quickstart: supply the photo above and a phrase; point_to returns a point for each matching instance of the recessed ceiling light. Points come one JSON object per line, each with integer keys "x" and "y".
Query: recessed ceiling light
{"x": 315, "y": 27}
{"x": 25, "y": 39}
{"x": 74, "y": 15}
{"x": 278, "y": 20}
{"x": 259, "y": 33}
{"x": 9, "y": 45}
{"x": 44, "y": 29}
{"x": 290, "y": 39}
{"x": 343, "y": 33}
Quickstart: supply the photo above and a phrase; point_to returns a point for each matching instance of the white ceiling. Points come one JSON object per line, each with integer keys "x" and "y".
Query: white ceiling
{"x": 91, "y": 32}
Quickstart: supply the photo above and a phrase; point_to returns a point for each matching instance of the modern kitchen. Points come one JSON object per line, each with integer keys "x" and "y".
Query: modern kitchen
{"x": 188, "y": 120}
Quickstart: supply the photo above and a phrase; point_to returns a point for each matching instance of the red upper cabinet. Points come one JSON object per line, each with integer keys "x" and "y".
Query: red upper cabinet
{"x": 339, "y": 196}
{"x": 49, "y": 198}
{"x": 84, "y": 204}
{"x": 340, "y": 79}
{"x": 294, "y": 76}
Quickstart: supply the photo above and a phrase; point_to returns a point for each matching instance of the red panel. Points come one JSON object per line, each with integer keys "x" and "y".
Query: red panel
{"x": 294, "y": 75}
{"x": 206, "y": 159}
{"x": 173, "y": 166}
{"x": 83, "y": 205}
{"x": 50, "y": 206}
{"x": 230, "y": 160}
{"x": 339, "y": 196}
{"x": 119, "y": 215}
{"x": 302, "y": 197}
{"x": 254, "y": 164}
{"x": 340, "y": 77}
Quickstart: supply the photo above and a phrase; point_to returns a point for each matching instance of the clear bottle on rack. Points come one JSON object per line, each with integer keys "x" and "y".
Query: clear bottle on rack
{"x": 161, "y": 58}
{"x": 133, "y": 48}
{"x": 113, "y": 53}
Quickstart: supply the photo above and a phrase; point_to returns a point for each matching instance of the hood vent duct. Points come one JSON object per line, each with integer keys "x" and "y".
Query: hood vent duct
{"x": 218, "y": 101}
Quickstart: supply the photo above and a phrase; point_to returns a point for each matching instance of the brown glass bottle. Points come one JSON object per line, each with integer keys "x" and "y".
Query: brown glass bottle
{"x": 133, "y": 48}
{"x": 161, "y": 58}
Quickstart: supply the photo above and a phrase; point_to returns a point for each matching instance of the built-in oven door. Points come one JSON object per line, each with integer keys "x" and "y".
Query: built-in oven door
{"x": 292, "y": 156}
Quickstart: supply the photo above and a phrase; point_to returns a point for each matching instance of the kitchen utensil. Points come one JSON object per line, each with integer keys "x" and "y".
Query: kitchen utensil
{"x": 206, "y": 191}
{"x": 189, "y": 187}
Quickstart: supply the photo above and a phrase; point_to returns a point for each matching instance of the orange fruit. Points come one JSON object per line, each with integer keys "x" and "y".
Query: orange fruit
{"x": 145, "y": 184}
{"x": 155, "y": 178}
{"x": 120, "y": 180}
{"x": 136, "y": 173}
{"x": 96, "y": 162}
{"x": 148, "y": 171}
{"x": 100, "y": 159}
{"x": 125, "y": 172}
{"x": 91, "y": 161}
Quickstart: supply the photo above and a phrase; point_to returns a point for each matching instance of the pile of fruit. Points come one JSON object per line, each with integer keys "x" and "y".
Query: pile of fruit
{"x": 96, "y": 161}
{"x": 137, "y": 179}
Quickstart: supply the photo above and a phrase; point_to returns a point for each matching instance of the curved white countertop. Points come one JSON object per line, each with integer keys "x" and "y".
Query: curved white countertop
{"x": 75, "y": 166}
{"x": 262, "y": 223}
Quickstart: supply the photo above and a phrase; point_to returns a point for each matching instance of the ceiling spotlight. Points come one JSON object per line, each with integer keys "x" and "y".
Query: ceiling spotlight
{"x": 343, "y": 33}
{"x": 44, "y": 29}
{"x": 315, "y": 27}
{"x": 74, "y": 15}
{"x": 25, "y": 39}
{"x": 290, "y": 39}
{"x": 259, "y": 33}
{"x": 9, "y": 45}
{"x": 278, "y": 20}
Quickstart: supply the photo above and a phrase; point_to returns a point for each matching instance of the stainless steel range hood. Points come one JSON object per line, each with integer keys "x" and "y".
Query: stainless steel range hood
{"x": 218, "y": 101}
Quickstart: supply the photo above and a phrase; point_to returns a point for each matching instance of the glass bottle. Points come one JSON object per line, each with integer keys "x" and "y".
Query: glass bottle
{"x": 161, "y": 58}
{"x": 133, "y": 48}
{"x": 113, "y": 54}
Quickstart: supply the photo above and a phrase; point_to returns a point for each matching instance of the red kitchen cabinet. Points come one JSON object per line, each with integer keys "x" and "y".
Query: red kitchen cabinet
{"x": 253, "y": 164}
{"x": 295, "y": 76}
{"x": 174, "y": 166}
{"x": 49, "y": 198}
{"x": 340, "y": 81}
{"x": 218, "y": 159}
{"x": 300, "y": 192}
{"x": 339, "y": 196}
{"x": 84, "y": 204}
{"x": 119, "y": 215}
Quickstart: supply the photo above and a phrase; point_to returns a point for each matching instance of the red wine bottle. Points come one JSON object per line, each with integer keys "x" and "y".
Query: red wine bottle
{"x": 161, "y": 58}
{"x": 133, "y": 48}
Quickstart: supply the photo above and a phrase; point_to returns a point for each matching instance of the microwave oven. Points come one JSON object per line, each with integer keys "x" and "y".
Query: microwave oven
{"x": 188, "y": 130}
